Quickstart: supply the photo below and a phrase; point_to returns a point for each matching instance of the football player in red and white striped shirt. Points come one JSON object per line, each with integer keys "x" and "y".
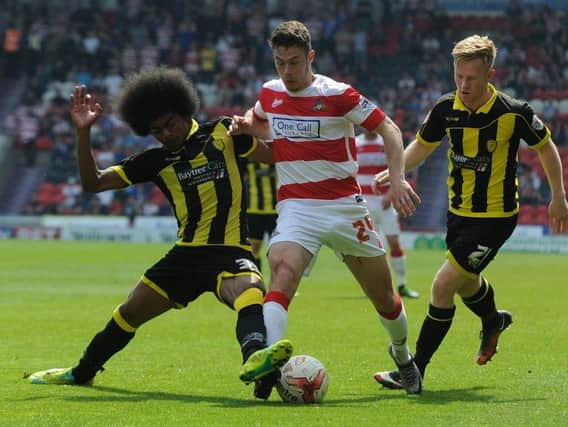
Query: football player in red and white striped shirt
{"x": 372, "y": 159}
{"x": 310, "y": 117}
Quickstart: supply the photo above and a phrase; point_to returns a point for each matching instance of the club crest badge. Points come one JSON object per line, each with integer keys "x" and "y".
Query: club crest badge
{"x": 219, "y": 144}
{"x": 491, "y": 145}
{"x": 319, "y": 106}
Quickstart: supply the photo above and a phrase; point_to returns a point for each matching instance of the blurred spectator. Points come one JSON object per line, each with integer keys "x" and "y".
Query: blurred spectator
{"x": 391, "y": 50}
{"x": 530, "y": 187}
{"x": 72, "y": 194}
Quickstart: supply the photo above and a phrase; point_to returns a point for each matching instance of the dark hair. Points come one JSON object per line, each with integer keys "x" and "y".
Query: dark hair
{"x": 291, "y": 34}
{"x": 151, "y": 93}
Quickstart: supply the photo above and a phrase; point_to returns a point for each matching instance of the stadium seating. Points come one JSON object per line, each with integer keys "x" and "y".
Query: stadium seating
{"x": 397, "y": 48}
{"x": 50, "y": 194}
{"x": 526, "y": 214}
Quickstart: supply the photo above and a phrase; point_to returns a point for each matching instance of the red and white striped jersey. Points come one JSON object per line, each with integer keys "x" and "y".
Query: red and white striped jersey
{"x": 372, "y": 160}
{"x": 313, "y": 136}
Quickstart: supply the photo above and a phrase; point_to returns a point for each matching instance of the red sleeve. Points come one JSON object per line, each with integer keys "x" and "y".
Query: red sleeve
{"x": 374, "y": 119}
{"x": 259, "y": 109}
{"x": 362, "y": 111}
{"x": 347, "y": 101}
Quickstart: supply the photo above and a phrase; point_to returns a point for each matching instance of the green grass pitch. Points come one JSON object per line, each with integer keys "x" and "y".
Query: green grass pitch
{"x": 182, "y": 368}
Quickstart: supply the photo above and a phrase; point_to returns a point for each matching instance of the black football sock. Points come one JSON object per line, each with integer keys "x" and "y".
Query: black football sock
{"x": 434, "y": 328}
{"x": 251, "y": 331}
{"x": 103, "y": 346}
{"x": 482, "y": 303}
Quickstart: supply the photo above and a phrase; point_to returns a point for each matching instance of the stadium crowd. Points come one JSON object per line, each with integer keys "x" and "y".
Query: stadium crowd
{"x": 397, "y": 51}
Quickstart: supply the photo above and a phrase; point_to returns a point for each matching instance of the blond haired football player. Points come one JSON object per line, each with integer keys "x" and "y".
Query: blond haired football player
{"x": 484, "y": 128}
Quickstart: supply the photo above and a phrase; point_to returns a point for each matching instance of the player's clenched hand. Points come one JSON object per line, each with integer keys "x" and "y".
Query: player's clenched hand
{"x": 379, "y": 179}
{"x": 240, "y": 125}
{"x": 403, "y": 198}
{"x": 84, "y": 109}
{"x": 558, "y": 215}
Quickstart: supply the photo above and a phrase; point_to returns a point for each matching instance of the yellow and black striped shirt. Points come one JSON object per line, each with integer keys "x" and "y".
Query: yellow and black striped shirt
{"x": 261, "y": 180}
{"x": 482, "y": 158}
{"x": 203, "y": 181}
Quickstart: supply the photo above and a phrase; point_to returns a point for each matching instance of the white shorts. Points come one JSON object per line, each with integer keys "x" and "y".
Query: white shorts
{"x": 386, "y": 220}
{"x": 343, "y": 225}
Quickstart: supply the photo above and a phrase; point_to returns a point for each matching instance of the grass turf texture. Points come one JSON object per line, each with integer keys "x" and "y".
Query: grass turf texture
{"x": 182, "y": 368}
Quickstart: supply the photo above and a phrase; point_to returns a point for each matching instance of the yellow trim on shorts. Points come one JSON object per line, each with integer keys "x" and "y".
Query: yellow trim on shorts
{"x": 123, "y": 324}
{"x": 180, "y": 242}
{"x": 249, "y": 297}
{"x": 159, "y": 291}
{"x": 458, "y": 267}
{"x": 227, "y": 275}
{"x": 465, "y": 213}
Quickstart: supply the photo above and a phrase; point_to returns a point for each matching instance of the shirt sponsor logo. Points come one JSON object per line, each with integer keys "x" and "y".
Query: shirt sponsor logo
{"x": 478, "y": 164}
{"x": 295, "y": 128}
{"x": 212, "y": 171}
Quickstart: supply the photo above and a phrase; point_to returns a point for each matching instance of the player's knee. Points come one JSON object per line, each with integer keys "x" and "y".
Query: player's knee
{"x": 387, "y": 301}
{"x": 242, "y": 292}
{"x": 381, "y": 295}
{"x": 283, "y": 270}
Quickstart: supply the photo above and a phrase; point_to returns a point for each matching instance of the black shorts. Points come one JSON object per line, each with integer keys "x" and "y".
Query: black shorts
{"x": 473, "y": 242}
{"x": 260, "y": 224}
{"x": 186, "y": 272}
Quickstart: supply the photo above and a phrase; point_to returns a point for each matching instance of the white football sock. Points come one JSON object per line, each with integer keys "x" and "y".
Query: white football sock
{"x": 275, "y": 320}
{"x": 398, "y": 331}
{"x": 399, "y": 266}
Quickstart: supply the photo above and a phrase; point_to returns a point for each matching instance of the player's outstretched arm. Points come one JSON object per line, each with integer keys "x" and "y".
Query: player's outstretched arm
{"x": 249, "y": 124}
{"x": 414, "y": 154}
{"x": 85, "y": 111}
{"x": 558, "y": 207}
{"x": 400, "y": 194}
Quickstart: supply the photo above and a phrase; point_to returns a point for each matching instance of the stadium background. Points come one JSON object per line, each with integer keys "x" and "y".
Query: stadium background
{"x": 182, "y": 368}
{"x": 397, "y": 53}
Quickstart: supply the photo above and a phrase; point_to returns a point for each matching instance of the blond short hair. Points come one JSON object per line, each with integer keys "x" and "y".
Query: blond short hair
{"x": 475, "y": 47}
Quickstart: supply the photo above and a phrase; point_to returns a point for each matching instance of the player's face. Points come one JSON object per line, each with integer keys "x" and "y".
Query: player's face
{"x": 171, "y": 130}
{"x": 294, "y": 67}
{"x": 472, "y": 82}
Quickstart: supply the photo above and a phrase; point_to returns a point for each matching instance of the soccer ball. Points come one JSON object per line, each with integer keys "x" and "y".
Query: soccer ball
{"x": 303, "y": 379}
